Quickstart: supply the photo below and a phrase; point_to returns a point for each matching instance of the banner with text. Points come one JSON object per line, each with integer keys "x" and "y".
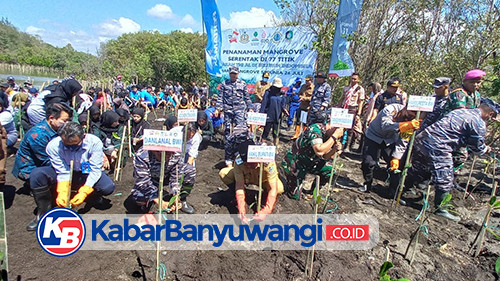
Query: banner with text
{"x": 284, "y": 52}
{"x": 347, "y": 21}
{"x": 211, "y": 18}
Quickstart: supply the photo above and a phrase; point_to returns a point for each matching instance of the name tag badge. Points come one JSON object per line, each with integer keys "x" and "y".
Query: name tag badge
{"x": 238, "y": 160}
{"x": 86, "y": 168}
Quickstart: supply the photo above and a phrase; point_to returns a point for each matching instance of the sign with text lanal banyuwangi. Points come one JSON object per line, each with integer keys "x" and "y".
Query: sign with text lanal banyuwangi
{"x": 303, "y": 116}
{"x": 341, "y": 118}
{"x": 284, "y": 52}
{"x": 256, "y": 118}
{"x": 163, "y": 140}
{"x": 421, "y": 103}
{"x": 187, "y": 115}
{"x": 261, "y": 154}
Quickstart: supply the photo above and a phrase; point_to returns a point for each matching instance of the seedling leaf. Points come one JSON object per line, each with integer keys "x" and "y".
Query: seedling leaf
{"x": 493, "y": 200}
{"x": 384, "y": 268}
{"x": 497, "y": 266}
{"x": 492, "y": 232}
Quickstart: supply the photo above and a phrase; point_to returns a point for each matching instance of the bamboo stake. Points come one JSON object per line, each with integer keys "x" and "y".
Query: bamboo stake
{"x": 334, "y": 162}
{"x": 71, "y": 166}
{"x": 129, "y": 139}
{"x": 315, "y": 217}
{"x": 422, "y": 220}
{"x": 470, "y": 175}
{"x": 160, "y": 215}
{"x": 118, "y": 165}
{"x": 493, "y": 176}
{"x": 405, "y": 169}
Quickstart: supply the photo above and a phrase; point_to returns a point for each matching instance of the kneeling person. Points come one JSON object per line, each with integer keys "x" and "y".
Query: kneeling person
{"x": 85, "y": 150}
{"x": 248, "y": 173}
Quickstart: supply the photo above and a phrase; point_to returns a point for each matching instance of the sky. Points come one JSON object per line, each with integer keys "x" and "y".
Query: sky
{"x": 86, "y": 23}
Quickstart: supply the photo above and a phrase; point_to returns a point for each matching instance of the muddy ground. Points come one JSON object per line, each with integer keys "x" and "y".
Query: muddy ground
{"x": 442, "y": 256}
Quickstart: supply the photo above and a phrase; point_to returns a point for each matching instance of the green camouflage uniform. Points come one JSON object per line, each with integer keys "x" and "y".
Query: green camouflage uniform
{"x": 301, "y": 159}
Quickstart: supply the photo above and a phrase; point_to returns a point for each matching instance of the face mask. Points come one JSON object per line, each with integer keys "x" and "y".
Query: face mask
{"x": 72, "y": 147}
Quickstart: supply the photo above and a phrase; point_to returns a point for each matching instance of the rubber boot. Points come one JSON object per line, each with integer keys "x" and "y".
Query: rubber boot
{"x": 297, "y": 132}
{"x": 43, "y": 200}
{"x": 367, "y": 186}
{"x": 438, "y": 198}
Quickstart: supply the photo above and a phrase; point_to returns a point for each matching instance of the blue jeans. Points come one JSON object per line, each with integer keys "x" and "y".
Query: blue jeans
{"x": 46, "y": 176}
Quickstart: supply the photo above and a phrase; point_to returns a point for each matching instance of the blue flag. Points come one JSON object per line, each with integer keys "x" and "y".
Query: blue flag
{"x": 211, "y": 18}
{"x": 347, "y": 21}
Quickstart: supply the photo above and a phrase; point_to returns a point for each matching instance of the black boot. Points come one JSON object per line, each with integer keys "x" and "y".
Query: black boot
{"x": 43, "y": 200}
{"x": 438, "y": 198}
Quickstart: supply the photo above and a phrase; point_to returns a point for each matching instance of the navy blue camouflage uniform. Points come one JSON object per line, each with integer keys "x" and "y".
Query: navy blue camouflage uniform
{"x": 147, "y": 176}
{"x": 434, "y": 147}
{"x": 320, "y": 98}
{"x": 431, "y": 117}
{"x": 240, "y": 134}
{"x": 234, "y": 101}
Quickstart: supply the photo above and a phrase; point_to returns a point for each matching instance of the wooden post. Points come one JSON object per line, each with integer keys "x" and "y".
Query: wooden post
{"x": 71, "y": 166}
{"x": 129, "y": 138}
{"x": 334, "y": 170}
{"x": 259, "y": 200}
{"x": 493, "y": 176}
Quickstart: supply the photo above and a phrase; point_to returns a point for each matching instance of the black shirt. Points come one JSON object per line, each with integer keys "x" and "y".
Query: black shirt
{"x": 386, "y": 99}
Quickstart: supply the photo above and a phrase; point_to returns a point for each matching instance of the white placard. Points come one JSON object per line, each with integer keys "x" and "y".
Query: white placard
{"x": 162, "y": 140}
{"x": 341, "y": 118}
{"x": 256, "y": 118}
{"x": 421, "y": 103}
{"x": 303, "y": 116}
{"x": 187, "y": 115}
{"x": 261, "y": 154}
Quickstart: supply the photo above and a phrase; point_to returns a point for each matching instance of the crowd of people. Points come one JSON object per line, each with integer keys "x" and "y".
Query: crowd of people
{"x": 73, "y": 139}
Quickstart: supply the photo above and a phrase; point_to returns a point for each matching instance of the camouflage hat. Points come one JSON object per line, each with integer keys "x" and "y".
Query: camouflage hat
{"x": 234, "y": 69}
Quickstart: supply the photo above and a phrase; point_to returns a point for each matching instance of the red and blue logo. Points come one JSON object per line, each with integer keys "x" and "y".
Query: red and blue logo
{"x": 61, "y": 232}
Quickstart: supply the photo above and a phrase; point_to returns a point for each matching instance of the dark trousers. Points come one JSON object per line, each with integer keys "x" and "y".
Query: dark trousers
{"x": 372, "y": 152}
{"x": 270, "y": 126}
{"x": 46, "y": 176}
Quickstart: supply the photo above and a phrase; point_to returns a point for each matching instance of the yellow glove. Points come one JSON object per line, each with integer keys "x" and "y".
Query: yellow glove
{"x": 409, "y": 125}
{"x": 82, "y": 194}
{"x": 394, "y": 164}
{"x": 62, "y": 193}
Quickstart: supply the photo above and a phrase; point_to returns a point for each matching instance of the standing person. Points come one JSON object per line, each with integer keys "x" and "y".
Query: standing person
{"x": 305, "y": 94}
{"x": 466, "y": 96}
{"x": 194, "y": 89}
{"x": 293, "y": 95}
{"x": 234, "y": 101}
{"x": 118, "y": 85}
{"x": 204, "y": 90}
{"x": 138, "y": 127}
{"x": 434, "y": 146}
{"x": 381, "y": 137}
{"x": 86, "y": 152}
{"x": 353, "y": 97}
{"x": 261, "y": 87}
{"x": 375, "y": 90}
{"x": 393, "y": 94}
{"x": 273, "y": 104}
{"x": 321, "y": 95}
{"x": 178, "y": 89}
{"x": 441, "y": 87}
{"x": 169, "y": 87}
